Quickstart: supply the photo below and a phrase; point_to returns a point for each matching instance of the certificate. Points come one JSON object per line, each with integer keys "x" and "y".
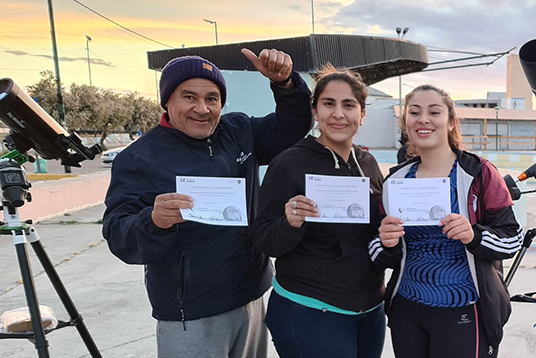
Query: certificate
{"x": 217, "y": 201}
{"x": 417, "y": 201}
{"x": 340, "y": 199}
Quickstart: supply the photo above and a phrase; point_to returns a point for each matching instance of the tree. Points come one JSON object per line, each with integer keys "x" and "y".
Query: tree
{"x": 88, "y": 108}
{"x": 143, "y": 113}
{"x": 86, "y": 100}
{"x": 45, "y": 94}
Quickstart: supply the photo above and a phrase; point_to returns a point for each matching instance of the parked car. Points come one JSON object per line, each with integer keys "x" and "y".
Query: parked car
{"x": 108, "y": 156}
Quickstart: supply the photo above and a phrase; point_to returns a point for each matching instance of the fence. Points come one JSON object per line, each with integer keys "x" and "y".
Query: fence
{"x": 499, "y": 143}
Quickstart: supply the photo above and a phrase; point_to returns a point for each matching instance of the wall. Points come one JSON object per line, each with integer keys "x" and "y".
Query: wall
{"x": 517, "y": 85}
{"x": 56, "y": 197}
{"x": 380, "y": 129}
{"x": 250, "y": 92}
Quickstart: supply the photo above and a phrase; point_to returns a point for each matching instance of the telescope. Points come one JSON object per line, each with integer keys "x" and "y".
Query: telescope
{"x": 527, "y": 57}
{"x": 31, "y": 127}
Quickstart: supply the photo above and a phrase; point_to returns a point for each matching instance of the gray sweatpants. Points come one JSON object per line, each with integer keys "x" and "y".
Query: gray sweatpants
{"x": 240, "y": 333}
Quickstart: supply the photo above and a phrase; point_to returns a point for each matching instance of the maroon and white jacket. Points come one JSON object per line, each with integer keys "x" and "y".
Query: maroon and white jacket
{"x": 485, "y": 201}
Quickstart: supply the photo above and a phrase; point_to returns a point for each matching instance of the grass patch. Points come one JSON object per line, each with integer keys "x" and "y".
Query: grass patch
{"x": 71, "y": 222}
{"x": 76, "y": 222}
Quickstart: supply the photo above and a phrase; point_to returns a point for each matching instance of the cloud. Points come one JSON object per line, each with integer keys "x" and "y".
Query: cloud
{"x": 93, "y": 61}
{"x": 475, "y": 25}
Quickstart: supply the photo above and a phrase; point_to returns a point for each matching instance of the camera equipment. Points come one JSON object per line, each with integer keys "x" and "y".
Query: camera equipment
{"x": 32, "y": 127}
{"x": 527, "y": 57}
{"x": 516, "y": 193}
{"x": 511, "y": 183}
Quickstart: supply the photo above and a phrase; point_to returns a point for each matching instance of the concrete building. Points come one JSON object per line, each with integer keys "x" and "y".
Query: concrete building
{"x": 503, "y": 121}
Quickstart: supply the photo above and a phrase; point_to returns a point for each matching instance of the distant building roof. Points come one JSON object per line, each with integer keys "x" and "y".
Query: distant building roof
{"x": 478, "y": 103}
{"x": 377, "y": 93}
{"x": 375, "y": 58}
{"x": 496, "y": 95}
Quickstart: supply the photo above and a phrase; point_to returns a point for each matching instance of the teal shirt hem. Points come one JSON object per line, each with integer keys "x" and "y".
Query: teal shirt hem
{"x": 313, "y": 302}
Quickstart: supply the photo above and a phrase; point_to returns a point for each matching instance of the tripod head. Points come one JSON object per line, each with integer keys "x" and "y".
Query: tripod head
{"x": 14, "y": 191}
{"x": 14, "y": 184}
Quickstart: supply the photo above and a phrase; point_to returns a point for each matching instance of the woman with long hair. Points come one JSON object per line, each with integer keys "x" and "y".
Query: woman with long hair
{"x": 446, "y": 297}
{"x": 327, "y": 297}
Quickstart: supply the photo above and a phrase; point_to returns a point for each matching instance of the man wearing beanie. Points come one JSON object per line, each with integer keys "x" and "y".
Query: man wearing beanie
{"x": 205, "y": 282}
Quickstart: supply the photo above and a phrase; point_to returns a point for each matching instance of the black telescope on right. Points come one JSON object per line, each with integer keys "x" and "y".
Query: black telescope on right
{"x": 527, "y": 57}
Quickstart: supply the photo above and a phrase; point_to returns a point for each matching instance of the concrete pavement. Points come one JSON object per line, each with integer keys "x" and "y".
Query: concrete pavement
{"x": 111, "y": 297}
{"x": 109, "y": 294}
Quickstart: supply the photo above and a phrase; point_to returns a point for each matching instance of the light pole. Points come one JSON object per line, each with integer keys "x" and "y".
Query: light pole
{"x": 313, "y": 15}
{"x": 88, "y": 40}
{"x": 61, "y": 106}
{"x": 497, "y": 109}
{"x": 215, "y": 27}
{"x": 401, "y": 33}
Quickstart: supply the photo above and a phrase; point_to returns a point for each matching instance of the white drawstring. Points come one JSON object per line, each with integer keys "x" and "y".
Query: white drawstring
{"x": 356, "y": 162}
{"x": 337, "y": 166}
{"x": 358, "y": 166}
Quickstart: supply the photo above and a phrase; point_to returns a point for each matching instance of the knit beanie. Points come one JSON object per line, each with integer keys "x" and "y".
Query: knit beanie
{"x": 183, "y": 68}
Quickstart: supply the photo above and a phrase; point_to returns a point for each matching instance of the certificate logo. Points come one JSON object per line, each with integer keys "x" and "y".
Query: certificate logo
{"x": 355, "y": 210}
{"x": 232, "y": 213}
{"x": 437, "y": 212}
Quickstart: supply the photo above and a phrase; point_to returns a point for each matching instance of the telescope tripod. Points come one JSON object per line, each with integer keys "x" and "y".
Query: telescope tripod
{"x": 21, "y": 232}
{"x": 527, "y": 241}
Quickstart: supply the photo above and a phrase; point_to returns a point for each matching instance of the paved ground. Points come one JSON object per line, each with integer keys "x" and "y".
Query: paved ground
{"x": 111, "y": 296}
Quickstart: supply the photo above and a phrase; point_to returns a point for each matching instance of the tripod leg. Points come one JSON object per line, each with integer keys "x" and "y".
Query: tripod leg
{"x": 515, "y": 265}
{"x": 527, "y": 241}
{"x": 40, "y": 341}
{"x": 76, "y": 318}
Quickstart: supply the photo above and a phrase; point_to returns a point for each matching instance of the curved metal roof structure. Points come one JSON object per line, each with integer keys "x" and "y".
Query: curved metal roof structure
{"x": 375, "y": 58}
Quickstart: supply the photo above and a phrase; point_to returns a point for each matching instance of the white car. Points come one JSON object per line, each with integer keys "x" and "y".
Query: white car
{"x": 108, "y": 156}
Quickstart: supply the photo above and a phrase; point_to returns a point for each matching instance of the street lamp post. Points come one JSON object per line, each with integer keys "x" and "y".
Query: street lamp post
{"x": 313, "y": 15}
{"x": 401, "y": 33}
{"x": 215, "y": 27}
{"x": 88, "y": 40}
{"x": 497, "y": 128}
{"x": 61, "y": 106}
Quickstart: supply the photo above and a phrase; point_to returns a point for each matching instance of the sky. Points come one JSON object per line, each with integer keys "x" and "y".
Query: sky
{"x": 123, "y": 31}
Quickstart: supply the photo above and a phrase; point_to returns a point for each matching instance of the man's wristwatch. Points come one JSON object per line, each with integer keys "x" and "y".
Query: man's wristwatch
{"x": 283, "y": 83}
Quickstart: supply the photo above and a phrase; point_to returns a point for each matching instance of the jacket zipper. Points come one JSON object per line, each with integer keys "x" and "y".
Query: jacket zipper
{"x": 183, "y": 268}
{"x": 209, "y": 142}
